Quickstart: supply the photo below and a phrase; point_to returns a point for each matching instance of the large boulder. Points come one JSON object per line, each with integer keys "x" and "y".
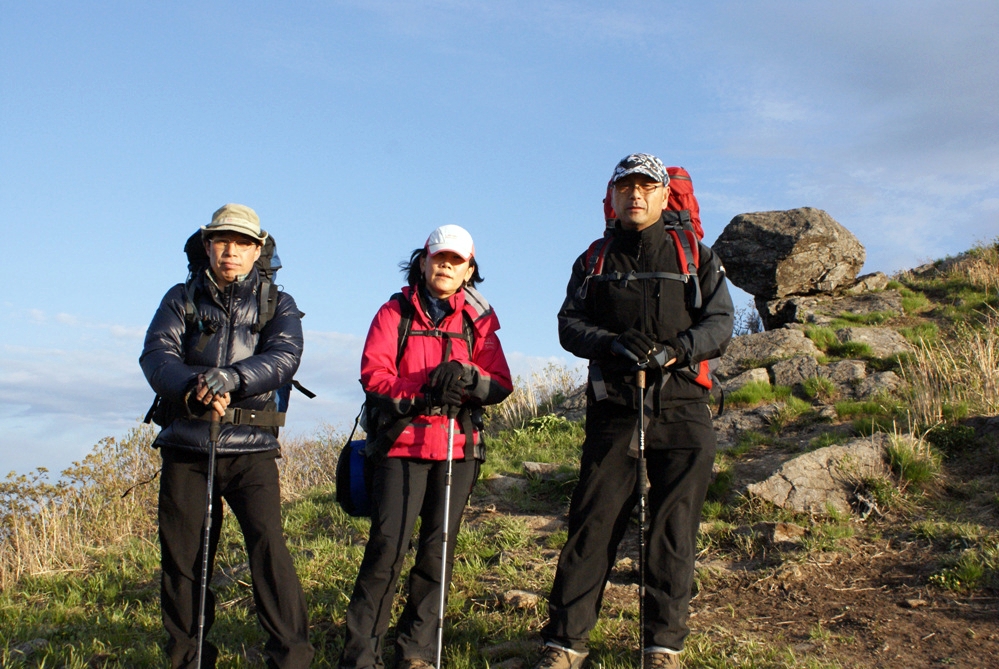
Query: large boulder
{"x": 773, "y": 254}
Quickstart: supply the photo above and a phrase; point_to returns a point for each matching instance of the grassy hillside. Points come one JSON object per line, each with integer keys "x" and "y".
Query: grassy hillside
{"x": 914, "y": 584}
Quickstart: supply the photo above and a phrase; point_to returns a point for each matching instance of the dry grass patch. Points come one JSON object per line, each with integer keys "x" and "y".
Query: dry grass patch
{"x": 950, "y": 379}
{"x": 50, "y": 527}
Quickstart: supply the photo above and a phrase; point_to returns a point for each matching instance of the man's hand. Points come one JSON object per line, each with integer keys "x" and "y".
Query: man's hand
{"x": 638, "y": 347}
{"x": 662, "y": 355}
{"x": 218, "y": 403}
{"x": 221, "y": 380}
{"x": 634, "y": 345}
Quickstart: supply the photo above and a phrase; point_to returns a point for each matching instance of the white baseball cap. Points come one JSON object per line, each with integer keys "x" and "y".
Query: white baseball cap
{"x": 451, "y": 238}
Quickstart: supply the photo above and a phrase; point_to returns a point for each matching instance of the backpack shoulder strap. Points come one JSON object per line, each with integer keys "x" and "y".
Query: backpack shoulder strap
{"x": 191, "y": 319}
{"x": 405, "y": 324}
{"x": 267, "y": 297}
{"x": 594, "y": 261}
{"x": 267, "y": 290}
{"x": 687, "y": 251}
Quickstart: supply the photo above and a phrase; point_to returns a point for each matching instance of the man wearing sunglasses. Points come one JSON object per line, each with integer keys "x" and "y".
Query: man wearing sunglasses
{"x": 642, "y": 316}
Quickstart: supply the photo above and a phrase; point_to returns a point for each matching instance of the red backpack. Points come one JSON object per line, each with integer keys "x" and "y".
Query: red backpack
{"x": 685, "y": 238}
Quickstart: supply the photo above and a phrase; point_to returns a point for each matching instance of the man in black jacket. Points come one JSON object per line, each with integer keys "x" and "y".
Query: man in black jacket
{"x": 203, "y": 354}
{"x": 646, "y": 317}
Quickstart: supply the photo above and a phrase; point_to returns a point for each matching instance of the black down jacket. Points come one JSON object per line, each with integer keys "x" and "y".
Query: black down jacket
{"x": 265, "y": 361}
{"x": 661, "y": 308}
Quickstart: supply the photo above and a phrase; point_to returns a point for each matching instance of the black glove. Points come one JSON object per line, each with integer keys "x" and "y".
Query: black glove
{"x": 634, "y": 345}
{"x": 642, "y": 350}
{"x": 660, "y": 355}
{"x": 446, "y": 375}
{"x": 445, "y": 387}
{"x": 221, "y": 380}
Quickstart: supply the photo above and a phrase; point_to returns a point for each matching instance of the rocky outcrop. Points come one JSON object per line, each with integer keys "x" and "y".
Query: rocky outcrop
{"x": 748, "y": 351}
{"x": 774, "y": 254}
{"x": 882, "y": 342}
{"x": 825, "y": 308}
{"x": 826, "y": 478}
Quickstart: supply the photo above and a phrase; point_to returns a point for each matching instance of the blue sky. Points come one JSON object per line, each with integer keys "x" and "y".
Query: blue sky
{"x": 354, "y": 128}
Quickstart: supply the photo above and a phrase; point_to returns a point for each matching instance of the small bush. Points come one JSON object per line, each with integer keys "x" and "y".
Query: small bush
{"x": 823, "y": 337}
{"x": 719, "y": 488}
{"x": 789, "y": 411}
{"x": 964, "y": 576}
{"x": 819, "y": 387}
{"x": 852, "y": 349}
{"x": 952, "y": 438}
{"x": 913, "y": 460}
{"x": 887, "y": 495}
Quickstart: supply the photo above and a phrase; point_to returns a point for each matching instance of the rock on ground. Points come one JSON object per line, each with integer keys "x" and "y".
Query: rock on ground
{"x": 749, "y": 350}
{"x": 825, "y": 478}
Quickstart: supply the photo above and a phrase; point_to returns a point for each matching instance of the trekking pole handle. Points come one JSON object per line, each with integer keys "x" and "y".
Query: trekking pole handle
{"x": 214, "y": 427}
{"x": 640, "y": 379}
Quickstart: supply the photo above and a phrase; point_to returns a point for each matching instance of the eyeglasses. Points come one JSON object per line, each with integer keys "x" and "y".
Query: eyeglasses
{"x": 645, "y": 187}
{"x": 241, "y": 243}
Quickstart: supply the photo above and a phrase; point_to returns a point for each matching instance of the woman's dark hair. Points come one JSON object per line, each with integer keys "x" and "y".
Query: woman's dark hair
{"x": 415, "y": 277}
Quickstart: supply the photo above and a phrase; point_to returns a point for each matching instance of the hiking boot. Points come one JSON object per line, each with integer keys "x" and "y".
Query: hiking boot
{"x": 560, "y": 658}
{"x": 414, "y": 663}
{"x": 662, "y": 660}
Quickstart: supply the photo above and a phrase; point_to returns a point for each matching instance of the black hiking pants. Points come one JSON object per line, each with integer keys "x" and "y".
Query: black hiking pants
{"x": 404, "y": 489}
{"x": 679, "y": 450}
{"x": 249, "y": 484}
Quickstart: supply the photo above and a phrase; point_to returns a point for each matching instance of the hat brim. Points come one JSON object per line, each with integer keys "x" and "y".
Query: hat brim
{"x": 434, "y": 249}
{"x": 207, "y": 230}
{"x": 644, "y": 173}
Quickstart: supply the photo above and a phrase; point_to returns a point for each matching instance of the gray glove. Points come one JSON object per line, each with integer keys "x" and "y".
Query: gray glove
{"x": 221, "y": 380}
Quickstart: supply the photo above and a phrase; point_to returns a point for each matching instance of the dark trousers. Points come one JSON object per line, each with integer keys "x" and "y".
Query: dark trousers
{"x": 402, "y": 490}
{"x": 249, "y": 484}
{"x": 680, "y": 448}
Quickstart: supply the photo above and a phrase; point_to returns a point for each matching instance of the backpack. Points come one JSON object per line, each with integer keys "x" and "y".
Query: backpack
{"x": 685, "y": 237}
{"x": 353, "y": 476}
{"x": 161, "y": 412}
{"x": 353, "y": 468}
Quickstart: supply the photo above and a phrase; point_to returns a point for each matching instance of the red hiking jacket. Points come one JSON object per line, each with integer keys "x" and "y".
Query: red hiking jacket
{"x": 426, "y": 436}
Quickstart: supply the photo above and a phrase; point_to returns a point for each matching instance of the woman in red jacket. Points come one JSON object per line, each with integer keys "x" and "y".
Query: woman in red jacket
{"x": 448, "y": 365}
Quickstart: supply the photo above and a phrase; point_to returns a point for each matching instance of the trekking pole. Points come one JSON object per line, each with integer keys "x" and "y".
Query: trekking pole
{"x": 643, "y": 488}
{"x": 213, "y": 442}
{"x": 447, "y": 513}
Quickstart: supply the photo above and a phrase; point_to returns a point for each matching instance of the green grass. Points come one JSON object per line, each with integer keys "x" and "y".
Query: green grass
{"x": 914, "y": 461}
{"x": 928, "y": 332}
{"x": 846, "y": 319}
{"x": 828, "y": 439}
{"x": 819, "y": 387}
{"x": 825, "y": 339}
{"x": 913, "y": 302}
{"x": 757, "y": 392}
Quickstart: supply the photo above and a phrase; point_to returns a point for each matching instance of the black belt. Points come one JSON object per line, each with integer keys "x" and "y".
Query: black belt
{"x": 255, "y": 417}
